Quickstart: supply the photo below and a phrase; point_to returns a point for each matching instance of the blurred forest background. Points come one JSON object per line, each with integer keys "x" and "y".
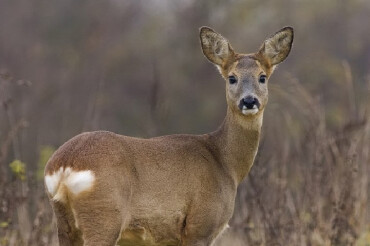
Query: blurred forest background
{"x": 136, "y": 68}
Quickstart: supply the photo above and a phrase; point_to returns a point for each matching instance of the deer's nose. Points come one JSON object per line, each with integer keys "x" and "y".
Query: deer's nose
{"x": 249, "y": 102}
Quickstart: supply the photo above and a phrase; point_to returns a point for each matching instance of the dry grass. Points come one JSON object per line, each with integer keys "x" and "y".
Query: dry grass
{"x": 310, "y": 182}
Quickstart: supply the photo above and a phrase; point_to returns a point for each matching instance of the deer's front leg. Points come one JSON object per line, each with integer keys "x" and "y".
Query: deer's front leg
{"x": 197, "y": 243}
{"x": 197, "y": 239}
{"x": 205, "y": 224}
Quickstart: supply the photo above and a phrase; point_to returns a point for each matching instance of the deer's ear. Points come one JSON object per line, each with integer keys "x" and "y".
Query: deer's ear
{"x": 276, "y": 48}
{"x": 215, "y": 47}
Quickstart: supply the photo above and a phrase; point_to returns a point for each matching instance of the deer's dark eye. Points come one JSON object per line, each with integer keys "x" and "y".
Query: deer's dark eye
{"x": 262, "y": 78}
{"x": 232, "y": 79}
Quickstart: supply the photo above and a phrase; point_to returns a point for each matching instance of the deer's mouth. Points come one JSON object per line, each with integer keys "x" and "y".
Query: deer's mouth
{"x": 249, "y": 105}
{"x": 250, "y": 111}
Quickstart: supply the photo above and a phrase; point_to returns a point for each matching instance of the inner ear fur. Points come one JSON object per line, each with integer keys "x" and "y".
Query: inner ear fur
{"x": 276, "y": 48}
{"x": 215, "y": 47}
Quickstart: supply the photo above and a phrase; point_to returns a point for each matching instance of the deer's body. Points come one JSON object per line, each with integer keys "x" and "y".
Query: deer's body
{"x": 172, "y": 190}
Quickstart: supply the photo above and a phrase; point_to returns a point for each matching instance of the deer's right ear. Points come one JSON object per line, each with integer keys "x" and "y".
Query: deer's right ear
{"x": 215, "y": 47}
{"x": 276, "y": 48}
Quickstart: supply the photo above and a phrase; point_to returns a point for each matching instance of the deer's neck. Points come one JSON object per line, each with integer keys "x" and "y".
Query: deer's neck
{"x": 237, "y": 140}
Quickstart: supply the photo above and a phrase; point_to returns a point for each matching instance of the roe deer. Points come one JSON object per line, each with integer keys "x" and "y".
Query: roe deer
{"x": 108, "y": 189}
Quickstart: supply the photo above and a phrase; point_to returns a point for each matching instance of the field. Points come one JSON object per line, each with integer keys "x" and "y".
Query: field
{"x": 136, "y": 68}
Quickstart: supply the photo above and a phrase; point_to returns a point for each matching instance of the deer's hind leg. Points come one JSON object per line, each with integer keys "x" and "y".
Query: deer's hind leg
{"x": 100, "y": 219}
{"x": 68, "y": 234}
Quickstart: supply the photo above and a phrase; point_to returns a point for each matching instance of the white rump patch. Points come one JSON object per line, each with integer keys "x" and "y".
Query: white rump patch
{"x": 52, "y": 181}
{"x": 79, "y": 181}
{"x": 74, "y": 181}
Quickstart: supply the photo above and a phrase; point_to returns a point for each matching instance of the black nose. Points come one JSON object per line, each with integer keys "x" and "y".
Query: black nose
{"x": 249, "y": 102}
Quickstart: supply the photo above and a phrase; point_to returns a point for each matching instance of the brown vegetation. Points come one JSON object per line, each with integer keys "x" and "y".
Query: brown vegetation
{"x": 136, "y": 69}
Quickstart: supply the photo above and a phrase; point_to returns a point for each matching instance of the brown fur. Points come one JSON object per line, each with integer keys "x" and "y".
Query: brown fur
{"x": 169, "y": 190}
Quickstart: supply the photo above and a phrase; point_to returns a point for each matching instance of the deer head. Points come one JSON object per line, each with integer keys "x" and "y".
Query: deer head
{"x": 246, "y": 75}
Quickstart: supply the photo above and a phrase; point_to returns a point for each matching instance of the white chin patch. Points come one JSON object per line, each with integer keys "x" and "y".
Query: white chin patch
{"x": 252, "y": 111}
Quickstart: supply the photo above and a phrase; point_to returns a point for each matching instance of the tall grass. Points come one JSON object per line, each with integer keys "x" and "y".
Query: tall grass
{"x": 310, "y": 182}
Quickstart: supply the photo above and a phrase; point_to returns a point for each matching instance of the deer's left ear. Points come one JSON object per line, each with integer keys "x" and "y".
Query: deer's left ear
{"x": 276, "y": 48}
{"x": 215, "y": 47}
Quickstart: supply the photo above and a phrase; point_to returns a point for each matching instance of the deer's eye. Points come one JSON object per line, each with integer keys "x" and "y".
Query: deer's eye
{"x": 262, "y": 79}
{"x": 232, "y": 79}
